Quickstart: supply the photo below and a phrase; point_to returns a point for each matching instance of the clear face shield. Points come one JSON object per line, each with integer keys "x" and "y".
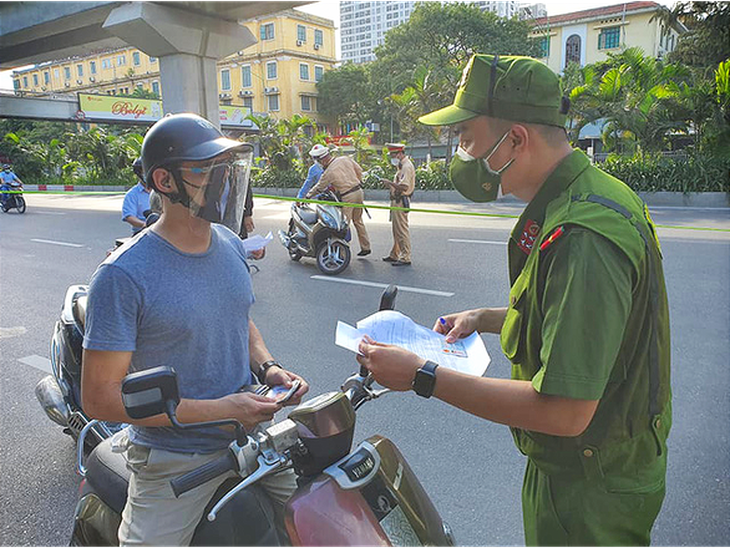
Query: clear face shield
{"x": 216, "y": 189}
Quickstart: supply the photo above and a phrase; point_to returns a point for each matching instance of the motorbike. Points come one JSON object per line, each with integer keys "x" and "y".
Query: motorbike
{"x": 321, "y": 232}
{"x": 366, "y": 495}
{"x": 14, "y": 199}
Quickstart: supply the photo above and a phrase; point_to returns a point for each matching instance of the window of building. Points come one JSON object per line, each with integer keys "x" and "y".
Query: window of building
{"x": 248, "y": 102}
{"x": 56, "y": 74}
{"x": 318, "y": 37}
{"x": 246, "y": 76}
{"x": 572, "y": 49}
{"x": 156, "y": 88}
{"x": 273, "y": 102}
{"x": 80, "y": 71}
{"x": 267, "y": 31}
{"x": 35, "y": 80}
{"x": 92, "y": 67}
{"x": 301, "y": 33}
{"x": 121, "y": 60}
{"x": 306, "y": 103}
{"x": 545, "y": 46}
{"x": 67, "y": 73}
{"x": 25, "y": 81}
{"x": 318, "y": 72}
{"x": 226, "y": 80}
{"x": 153, "y": 59}
{"x": 271, "y": 70}
{"x": 106, "y": 63}
{"x": 46, "y": 78}
{"x": 609, "y": 38}
{"x": 16, "y": 84}
{"x": 303, "y": 71}
{"x": 135, "y": 59}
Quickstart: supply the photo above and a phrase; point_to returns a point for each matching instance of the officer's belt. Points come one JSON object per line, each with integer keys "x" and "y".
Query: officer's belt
{"x": 350, "y": 190}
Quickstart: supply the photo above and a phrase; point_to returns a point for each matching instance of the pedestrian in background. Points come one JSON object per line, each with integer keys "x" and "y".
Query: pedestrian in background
{"x": 136, "y": 203}
{"x": 401, "y": 190}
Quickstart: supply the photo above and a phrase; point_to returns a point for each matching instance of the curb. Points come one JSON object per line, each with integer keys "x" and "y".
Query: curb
{"x": 657, "y": 199}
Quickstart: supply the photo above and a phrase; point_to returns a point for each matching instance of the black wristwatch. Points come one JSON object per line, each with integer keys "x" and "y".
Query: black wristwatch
{"x": 264, "y": 367}
{"x": 425, "y": 380}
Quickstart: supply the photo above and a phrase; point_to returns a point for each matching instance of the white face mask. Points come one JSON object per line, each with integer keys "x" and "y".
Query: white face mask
{"x": 395, "y": 161}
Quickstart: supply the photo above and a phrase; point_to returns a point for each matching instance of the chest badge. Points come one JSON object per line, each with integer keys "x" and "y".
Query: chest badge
{"x": 528, "y": 237}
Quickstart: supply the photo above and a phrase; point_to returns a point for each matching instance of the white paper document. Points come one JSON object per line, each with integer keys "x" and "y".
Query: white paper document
{"x": 468, "y": 355}
{"x": 256, "y": 242}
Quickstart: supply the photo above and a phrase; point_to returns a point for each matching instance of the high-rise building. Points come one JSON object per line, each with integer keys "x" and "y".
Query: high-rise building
{"x": 277, "y": 75}
{"x": 363, "y": 24}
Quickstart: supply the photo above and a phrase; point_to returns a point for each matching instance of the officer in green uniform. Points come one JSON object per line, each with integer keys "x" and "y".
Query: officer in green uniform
{"x": 587, "y": 326}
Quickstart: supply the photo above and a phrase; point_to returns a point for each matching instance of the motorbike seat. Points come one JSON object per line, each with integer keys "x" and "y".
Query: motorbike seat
{"x": 79, "y": 311}
{"x": 108, "y": 474}
{"x": 308, "y": 216}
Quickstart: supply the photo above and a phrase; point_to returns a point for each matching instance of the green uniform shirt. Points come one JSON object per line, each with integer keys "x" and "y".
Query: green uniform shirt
{"x": 588, "y": 319}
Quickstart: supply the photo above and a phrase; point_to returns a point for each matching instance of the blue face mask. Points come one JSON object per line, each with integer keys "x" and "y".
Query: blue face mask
{"x": 474, "y": 178}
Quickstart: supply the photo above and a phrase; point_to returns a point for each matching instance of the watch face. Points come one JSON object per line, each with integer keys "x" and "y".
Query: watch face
{"x": 424, "y": 382}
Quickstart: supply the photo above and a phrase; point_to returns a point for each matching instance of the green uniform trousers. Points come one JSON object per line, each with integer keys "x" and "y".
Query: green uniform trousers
{"x": 574, "y": 511}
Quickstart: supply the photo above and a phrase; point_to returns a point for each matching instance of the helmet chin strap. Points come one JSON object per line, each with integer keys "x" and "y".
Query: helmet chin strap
{"x": 181, "y": 196}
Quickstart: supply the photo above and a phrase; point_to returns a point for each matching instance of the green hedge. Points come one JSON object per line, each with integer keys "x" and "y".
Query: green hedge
{"x": 643, "y": 174}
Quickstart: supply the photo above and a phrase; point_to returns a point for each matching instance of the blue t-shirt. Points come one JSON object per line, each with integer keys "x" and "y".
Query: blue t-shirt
{"x": 313, "y": 175}
{"x": 8, "y": 177}
{"x": 136, "y": 202}
{"x": 188, "y": 311}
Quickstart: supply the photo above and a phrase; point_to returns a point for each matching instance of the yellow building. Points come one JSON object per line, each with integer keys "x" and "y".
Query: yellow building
{"x": 587, "y": 36}
{"x": 276, "y": 76}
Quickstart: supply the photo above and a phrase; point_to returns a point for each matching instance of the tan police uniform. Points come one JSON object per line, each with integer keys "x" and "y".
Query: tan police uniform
{"x": 344, "y": 175}
{"x": 406, "y": 174}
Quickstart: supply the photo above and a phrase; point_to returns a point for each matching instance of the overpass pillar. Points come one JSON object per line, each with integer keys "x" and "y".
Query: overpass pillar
{"x": 187, "y": 45}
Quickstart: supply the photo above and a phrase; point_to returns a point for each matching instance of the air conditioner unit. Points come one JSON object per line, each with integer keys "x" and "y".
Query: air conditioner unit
{"x": 44, "y": 88}
{"x": 225, "y": 95}
{"x": 92, "y": 79}
{"x": 245, "y": 93}
{"x": 79, "y": 81}
{"x": 67, "y": 84}
{"x": 299, "y": 42}
{"x": 316, "y": 46}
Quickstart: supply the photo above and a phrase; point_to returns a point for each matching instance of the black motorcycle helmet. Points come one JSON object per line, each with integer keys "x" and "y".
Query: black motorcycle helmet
{"x": 137, "y": 168}
{"x": 180, "y": 138}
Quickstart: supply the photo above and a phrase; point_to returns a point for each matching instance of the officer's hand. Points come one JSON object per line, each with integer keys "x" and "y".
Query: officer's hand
{"x": 459, "y": 325}
{"x": 276, "y": 376}
{"x": 392, "y": 366}
{"x": 251, "y": 409}
{"x": 248, "y": 224}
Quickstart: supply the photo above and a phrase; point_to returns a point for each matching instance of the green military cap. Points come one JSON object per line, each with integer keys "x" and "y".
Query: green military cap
{"x": 513, "y": 88}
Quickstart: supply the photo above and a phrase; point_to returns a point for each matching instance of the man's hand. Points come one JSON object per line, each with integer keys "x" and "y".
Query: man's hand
{"x": 392, "y": 366}
{"x": 257, "y": 254}
{"x": 251, "y": 409}
{"x": 248, "y": 224}
{"x": 276, "y": 376}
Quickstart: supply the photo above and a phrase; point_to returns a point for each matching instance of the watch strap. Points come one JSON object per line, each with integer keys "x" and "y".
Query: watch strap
{"x": 264, "y": 367}
{"x": 425, "y": 380}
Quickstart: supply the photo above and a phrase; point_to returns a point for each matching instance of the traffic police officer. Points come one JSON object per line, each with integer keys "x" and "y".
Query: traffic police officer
{"x": 587, "y": 326}
{"x": 401, "y": 190}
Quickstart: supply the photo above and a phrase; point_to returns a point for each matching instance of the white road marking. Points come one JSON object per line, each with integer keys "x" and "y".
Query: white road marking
{"x": 55, "y": 243}
{"x": 10, "y": 332}
{"x": 39, "y": 362}
{"x": 383, "y": 286}
{"x": 49, "y": 213}
{"x": 491, "y": 242}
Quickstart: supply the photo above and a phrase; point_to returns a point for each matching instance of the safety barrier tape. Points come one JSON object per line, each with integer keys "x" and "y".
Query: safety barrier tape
{"x": 348, "y": 204}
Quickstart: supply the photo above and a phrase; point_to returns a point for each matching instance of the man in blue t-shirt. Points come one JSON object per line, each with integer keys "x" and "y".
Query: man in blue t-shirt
{"x": 315, "y": 171}
{"x": 179, "y": 294}
{"x": 8, "y": 181}
{"x": 136, "y": 201}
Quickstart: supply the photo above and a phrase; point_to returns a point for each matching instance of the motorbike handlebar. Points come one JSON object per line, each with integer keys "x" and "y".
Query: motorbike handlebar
{"x": 203, "y": 474}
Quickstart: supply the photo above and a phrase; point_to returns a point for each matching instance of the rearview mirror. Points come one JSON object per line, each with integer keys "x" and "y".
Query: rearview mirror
{"x": 150, "y": 392}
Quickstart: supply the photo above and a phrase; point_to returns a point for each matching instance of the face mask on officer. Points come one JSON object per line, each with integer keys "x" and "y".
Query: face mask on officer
{"x": 474, "y": 178}
{"x": 394, "y": 161}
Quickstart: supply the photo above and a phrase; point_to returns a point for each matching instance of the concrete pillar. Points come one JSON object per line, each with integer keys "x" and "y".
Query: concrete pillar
{"x": 187, "y": 45}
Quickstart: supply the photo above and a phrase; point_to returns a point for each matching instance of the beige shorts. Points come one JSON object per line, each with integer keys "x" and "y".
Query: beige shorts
{"x": 153, "y": 516}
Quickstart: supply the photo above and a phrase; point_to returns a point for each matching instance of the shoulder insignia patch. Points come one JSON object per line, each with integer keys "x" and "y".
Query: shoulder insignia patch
{"x": 528, "y": 237}
{"x": 550, "y": 240}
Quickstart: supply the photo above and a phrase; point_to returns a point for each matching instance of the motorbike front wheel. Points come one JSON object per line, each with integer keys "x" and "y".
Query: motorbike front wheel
{"x": 333, "y": 256}
{"x": 20, "y": 204}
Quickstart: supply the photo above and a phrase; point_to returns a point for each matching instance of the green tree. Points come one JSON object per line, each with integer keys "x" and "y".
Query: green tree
{"x": 344, "y": 94}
